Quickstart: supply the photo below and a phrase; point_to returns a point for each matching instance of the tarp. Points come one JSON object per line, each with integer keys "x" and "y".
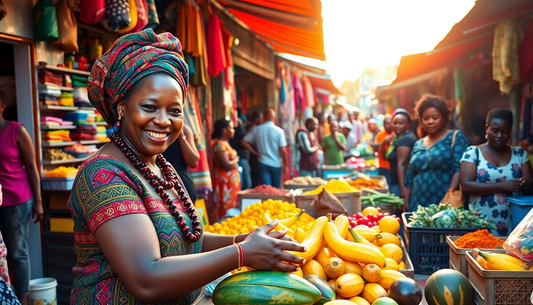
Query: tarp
{"x": 322, "y": 82}
{"x": 293, "y": 27}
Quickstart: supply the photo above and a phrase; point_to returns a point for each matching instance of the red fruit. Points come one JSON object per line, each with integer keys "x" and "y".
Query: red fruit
{"x": 353, "y": 223}
{"x": 359, "y": 215}
{"x": 380, "y": 215}
{"x": 379, "y": 209}
{"x": 399, "y": 220}
{"x": 386, "y": 214}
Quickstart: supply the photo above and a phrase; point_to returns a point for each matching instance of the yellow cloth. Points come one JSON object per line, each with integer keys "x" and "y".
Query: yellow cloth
{"x": 506, "y": 68}
{"x": 189, "y": 29}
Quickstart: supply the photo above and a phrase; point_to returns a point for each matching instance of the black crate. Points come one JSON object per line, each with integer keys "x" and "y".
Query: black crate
{"x": 427, "y": 247}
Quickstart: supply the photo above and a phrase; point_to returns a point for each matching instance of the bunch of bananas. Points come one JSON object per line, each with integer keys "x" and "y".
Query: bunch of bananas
{"x": 499, "y": 261}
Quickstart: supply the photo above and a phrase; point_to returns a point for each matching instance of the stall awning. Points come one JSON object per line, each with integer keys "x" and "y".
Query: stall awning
{"x": 293, "y": 27}
{"x": 322, "y": 82}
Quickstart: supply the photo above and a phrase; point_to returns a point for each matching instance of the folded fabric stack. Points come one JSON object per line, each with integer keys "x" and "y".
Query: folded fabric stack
{"x": 81, "y": 117}
{"x": 50, "y": 78}
{"x": 66, "y": 99}
{"x": 53, "y": 121}
{"x": 101, "y": 134}
{"x": 99, "y": 117}
{"x": 81, "y": 99}
{"x": 55, "y": 136}
{"x": 49, "y": 96}
{"x": 83, "y": 133}
{"x": 79, "y": 81}
{"x": 67, "y": 81}
{"x": 80, "y": 151}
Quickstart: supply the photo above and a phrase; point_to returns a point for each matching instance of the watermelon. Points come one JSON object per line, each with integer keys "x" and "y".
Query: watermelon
{"x": 448, "y": 287}
{"x": 265, "y": 287}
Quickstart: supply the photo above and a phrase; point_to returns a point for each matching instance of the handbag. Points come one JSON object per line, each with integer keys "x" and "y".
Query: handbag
{"x": 68, "y": 28}
{"x": 45, "y": 21}
{"x": 454, "y": 197}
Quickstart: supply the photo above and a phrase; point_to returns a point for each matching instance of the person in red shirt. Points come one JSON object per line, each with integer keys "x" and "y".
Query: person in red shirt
{"x": 382, "y": 142}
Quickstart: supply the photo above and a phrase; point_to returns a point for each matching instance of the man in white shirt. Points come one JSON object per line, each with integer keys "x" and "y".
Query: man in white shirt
{"x": 357, "y": 127}
{"x": 350, "y": 138}
{"x": 271, "y": 149}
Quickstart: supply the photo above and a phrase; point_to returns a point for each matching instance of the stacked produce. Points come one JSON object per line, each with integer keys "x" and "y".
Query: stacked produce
{"x": 500, "y": 261}
{"x": 478, "y": 239}
{"x": 307, "y": 180}
{"x": 333, "y": 186}
{"x": 254, "y": 216}
{"x": 370, "y": 217}
{"x": 61, "y": 172}
{"x": 266, "y": 190}
{"x": 340, "y": 263}
{"x": 375, "y": 197}
{"x": 446, "y": 216}
{"x": 363, "y": 182}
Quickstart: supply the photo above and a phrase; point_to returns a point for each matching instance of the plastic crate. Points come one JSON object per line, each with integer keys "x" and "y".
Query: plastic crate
{"x": 409, "y": 271}
{"x": 520, "y": 206}
{"x": 351, "y": 201}
{"x": 457, "y": 255}
{"x": 57, "y": 184}
{"x": 499, "y": 287}
{"x": 427, "y": 247}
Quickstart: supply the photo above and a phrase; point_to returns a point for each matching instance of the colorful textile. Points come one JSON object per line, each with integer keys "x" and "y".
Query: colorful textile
{"x": 383, "y": 163}
{"x": 215, "y": 47}
{"x": 105, "y": 189}
{"x": 92, "y": 11}
{"x": 430, "y": 171}
{"x": 201, "y": 175}
{"x": 117, "y": 15}
{"x": 309, "y": 92}
{"x": 505, "y": 65}
{"x": 495, "y": 206}
{"x": 153, "y": 17}
{"x": 227, "y": 182}
{"x": 460, "y": 94}
{"x": 4, "y": 272}
{"x": 131, "y": 58}
{"x": 189, "y": 29}
{"x": 142, "y": 15}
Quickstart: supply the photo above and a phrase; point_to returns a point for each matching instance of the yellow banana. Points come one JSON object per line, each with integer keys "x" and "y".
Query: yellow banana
{"x": 367, "y": 233}
{"x": 288, "y": 222}
{"x": 279, "y": 227}
{"x": 342, "y": 223}
{"x": 359, "y": 239}
{"x": 300, "y": 235}
{"x": 495, "y": 262}
{"x": 350, "y": 251}
{"x": 323, "y": 255}
{"x": 514, "y": 260}
{"x": 313, "y": 241}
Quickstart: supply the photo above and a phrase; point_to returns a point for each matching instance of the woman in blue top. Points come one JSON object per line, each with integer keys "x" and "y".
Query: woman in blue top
{"x": 434, "y": 165}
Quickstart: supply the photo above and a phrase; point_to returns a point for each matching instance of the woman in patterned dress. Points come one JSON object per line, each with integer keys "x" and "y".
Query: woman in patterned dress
{"x": 434, "y": 165}
{"x": 493, "y": 171}
{"x": 138, "y": 238}
{"x": 227, "y": 181}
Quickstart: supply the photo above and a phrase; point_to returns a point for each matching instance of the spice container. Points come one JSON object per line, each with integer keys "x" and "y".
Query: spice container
{"x": 457, "y": 255}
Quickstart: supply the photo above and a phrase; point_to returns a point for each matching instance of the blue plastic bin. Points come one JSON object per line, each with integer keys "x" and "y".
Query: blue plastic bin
{"x": 520, "y": 206}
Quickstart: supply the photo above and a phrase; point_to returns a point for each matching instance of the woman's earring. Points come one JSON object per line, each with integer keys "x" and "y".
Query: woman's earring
{"x": 116, "y": 128}
{"x": 485, "y": 136}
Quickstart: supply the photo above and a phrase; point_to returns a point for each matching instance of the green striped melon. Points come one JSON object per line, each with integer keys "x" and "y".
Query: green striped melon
{"x": 265, "y": 287}
{"x": 448, "y": 287}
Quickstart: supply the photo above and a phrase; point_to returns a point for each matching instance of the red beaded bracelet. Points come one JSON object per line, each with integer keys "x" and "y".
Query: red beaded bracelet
{"x": 241, "y": 254}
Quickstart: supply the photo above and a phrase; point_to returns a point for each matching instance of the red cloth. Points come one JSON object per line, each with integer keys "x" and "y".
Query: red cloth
{"x": 244, "y": 101}
{"x": 92, "y": 11}
{"x": 215, "y": 47}
{"x": 526, "y": 55}
{"x": 142, "y": 15}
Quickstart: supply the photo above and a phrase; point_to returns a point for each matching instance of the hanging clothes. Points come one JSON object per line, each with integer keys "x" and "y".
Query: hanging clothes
{"x": 117, "y": 15}
{"x": 298, "y": 94}
{"x": 133, "y": 18}
{"x": 526, "y": 54}
{"x": 92, "y": 11}
{"x": 215, "y": 47}
{"x": 189, "y": 29}
{"x": 244, "y": 101}
{"x": 200, "y": 174}
{"x": 282, "y": 92}
{"x": 153, "y": 18}
{"x": 460, "y": 94}
{"x": 309, "y": 92}
{"x": 506, "y": 68}
{"x": 142, "y": 15}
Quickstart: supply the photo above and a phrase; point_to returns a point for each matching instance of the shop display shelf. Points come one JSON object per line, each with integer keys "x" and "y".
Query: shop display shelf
{"x": 63, "y": 70}
{"x": 493, "y": 287}
{"x": 86, "y": 108}
{"x": 427, "y": 247}
{"x": 65, "y": 108}
{"x": 56, "y": 162}
{"x": 58, "y": 144}
{"x": 43, "y": 127}
{"x": 457, "y": 255}
{"x": 91, "y": 142}
{"x": 52, "y": 86}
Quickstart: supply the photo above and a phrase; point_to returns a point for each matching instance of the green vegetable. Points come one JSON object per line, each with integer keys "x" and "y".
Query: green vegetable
{"x": 375, "y": 197}
{"x": 446, "y": 216}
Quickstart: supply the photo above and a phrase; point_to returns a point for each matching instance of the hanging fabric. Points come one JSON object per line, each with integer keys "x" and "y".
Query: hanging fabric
{"x": 298, "y": 93}
{"x": 153, "y": 18}
{"x": 460, "y": 94}
{"x": 506, "y": 68}
{"x": 526, "y": 55}
{"x": 92, "y": 11}
{"x": 200, "y": 174}
{"x": 244, "y": 101}
{"x": 68, "y": 28}
{"x": 142, "y": 15}
{"x": 133, "y": 18}
{"x": 189, "y": 28}
{"x": 215, "y": 47}
{"x": 117, "y": 15}
{"x": 45, "y": 21}
{"x": 309, "y": 93}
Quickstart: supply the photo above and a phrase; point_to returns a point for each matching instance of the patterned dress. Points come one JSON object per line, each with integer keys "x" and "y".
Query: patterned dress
{"x": 430, "y": 171}
{"x": 496, "y": 205}
{"x": 106, "y": 188}
{"x": 226, "y": 182}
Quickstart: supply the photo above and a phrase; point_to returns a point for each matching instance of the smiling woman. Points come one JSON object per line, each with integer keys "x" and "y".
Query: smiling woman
{"x": 129, "y": 206}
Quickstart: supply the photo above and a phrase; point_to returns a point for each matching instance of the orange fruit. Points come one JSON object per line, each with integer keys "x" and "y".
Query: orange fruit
{"x": 335, "y": 267}
{"x": 376, "y": 228}
{"x": 389, "y": 224}
{"x": 349, "y": 285}
{"x": 392, "y": 251}
{"x": 352, "y": 267}
{"x": 314, "y": 267}
{"x": 387, "y": 238}
{"x": 391, "y": 265}
{"x": 372, "y": 273}
{"x": 370, "y": 211}
{"x": 359, "y": 301}
{"x": 332, "y": 283}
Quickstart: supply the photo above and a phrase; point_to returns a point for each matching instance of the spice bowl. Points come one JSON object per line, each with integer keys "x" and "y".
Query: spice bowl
{"x": 457, "y": 255}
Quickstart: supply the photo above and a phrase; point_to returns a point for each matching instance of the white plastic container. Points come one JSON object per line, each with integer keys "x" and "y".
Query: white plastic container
{"x": 43, "y": 291}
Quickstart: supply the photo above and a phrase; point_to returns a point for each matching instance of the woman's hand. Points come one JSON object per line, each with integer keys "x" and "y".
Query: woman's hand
{"x": 511, "y": 186}
{"x": 37, "y": 210}
{"x": 525, "y": 184}
{"x": 264, "y": 250}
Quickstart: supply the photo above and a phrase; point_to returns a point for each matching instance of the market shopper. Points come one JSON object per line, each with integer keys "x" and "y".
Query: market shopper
{"x": 256, "y": 119}
{"x": 373, "y": 130}
{"x": 226, "y": 178}
{"x": 323, "y": 127}
{"x": 21, "y": 185}
{"x": 350, "y": 139}
{"x": 308, "y": 147}
{"x": 271, "y": 149}
{"x": 129, "y": 207}
{"x": 399, "y": 150}
{"x": 244, "y": 155}
{"x": 183, "y": 154}
{"x": 334, "y": 145}
{"x": 434, "y": 165}
{"x": 382, "y": 143}
{"x": 493, "y": 171}
{"x": 357, "y": 127}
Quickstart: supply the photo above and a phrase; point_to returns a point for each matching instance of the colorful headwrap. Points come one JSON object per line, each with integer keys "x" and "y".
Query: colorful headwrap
{"x": 131, "y": 58}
